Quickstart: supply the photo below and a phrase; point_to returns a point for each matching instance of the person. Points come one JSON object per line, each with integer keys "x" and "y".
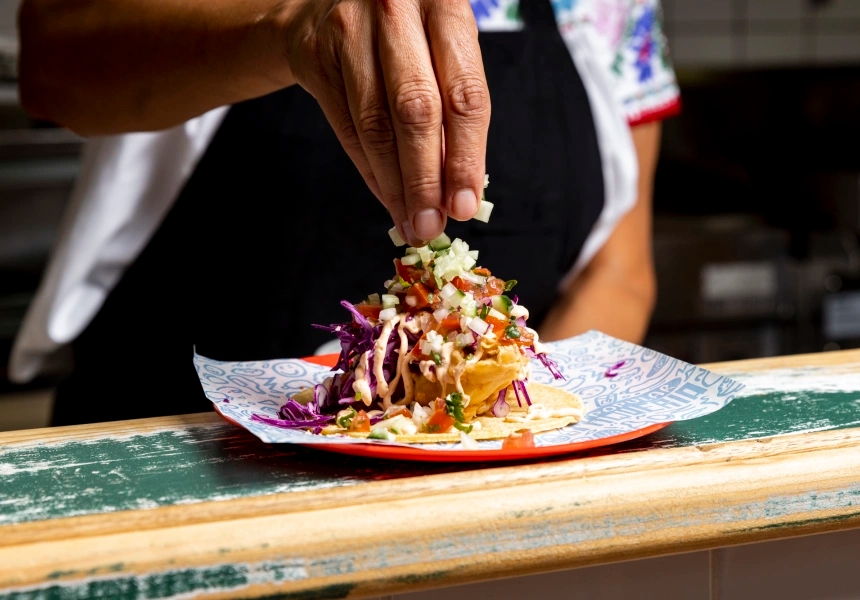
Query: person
{"x": 247, "y": 159}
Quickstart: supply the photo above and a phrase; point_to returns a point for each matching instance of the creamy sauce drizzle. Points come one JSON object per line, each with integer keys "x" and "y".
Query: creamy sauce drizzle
{"x": 539, "y": 411}
{"x": 360, "y": 385}
{"x": 379, "y": 356}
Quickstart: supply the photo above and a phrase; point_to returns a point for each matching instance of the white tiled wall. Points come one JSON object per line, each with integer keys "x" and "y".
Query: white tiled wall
{"x": 763, "y": 33}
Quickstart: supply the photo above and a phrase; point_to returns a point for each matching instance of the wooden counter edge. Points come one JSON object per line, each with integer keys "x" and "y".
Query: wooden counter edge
{"x": 524, "y": 519}
{"x": 489, "y": 480}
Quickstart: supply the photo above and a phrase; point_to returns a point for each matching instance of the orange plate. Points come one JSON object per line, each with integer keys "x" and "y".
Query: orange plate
{"x": 420, "y": 454}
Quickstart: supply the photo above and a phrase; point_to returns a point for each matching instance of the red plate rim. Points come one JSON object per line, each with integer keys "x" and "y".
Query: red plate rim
{"x": 385, "y": 451}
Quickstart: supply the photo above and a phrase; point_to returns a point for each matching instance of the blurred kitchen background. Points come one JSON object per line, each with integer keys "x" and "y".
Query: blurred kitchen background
{"x": 757, "y": 198}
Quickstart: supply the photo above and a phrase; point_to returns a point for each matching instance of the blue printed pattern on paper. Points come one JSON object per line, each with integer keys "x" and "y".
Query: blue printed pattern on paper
{"x": 649, "y": 388}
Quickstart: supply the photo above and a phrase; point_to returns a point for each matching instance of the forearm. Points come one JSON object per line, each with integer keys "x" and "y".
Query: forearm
{"x": 109, "y": 66}
{"x": 617, "y": 291}
{"x": 608, "y": 301}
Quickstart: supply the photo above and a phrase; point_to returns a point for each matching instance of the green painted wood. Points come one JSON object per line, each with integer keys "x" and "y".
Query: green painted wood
{"x": 219, "y": 461}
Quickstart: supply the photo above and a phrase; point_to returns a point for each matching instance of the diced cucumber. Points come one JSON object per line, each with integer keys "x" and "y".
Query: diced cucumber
{"x": 379, "y": 433}
{"x": 440, "y": 243}
{"x": 389, "y": 300}
{"x": 411, "y": 259}
{"x": 373, "y": 299}
{"x": 484, "y": 211}
{"x": 395, "y": 237}
{"x": 447, "y": 291}
{"x": 468, "y": 306}
{"x": 426, "y": 255}
{"x": 411, "y": 250}
{"x": 503, "y": 304}
{"x": 456, "y": 299}
{"x": 473, "y": 254}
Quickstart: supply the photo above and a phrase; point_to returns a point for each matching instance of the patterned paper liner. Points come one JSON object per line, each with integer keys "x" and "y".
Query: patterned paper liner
{"x": 625, "y": 388}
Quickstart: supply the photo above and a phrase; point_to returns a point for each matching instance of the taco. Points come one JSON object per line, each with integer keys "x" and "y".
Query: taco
{"x": 446, "y": 351}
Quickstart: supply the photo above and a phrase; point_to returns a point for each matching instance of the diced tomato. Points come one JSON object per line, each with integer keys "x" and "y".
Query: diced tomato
{"x": 398, "y": 410}
{"x": 525, "y": 339}
{"x": 421, "y": 296}
{"x": 522, "y": 438}
{"x": 416, "y": 350}
{"x": 409, "y": 273}
{"x": 439, "y": 422}
{"x": 451, "y": 322}
{"x": 370, "y": 311}
{"x": 360, "y": 422}
{"x": 494, "y": 287}
{"x": 482, "y": 272}
{"x": 463, "y": 285}
{"x": 497, "y": 324}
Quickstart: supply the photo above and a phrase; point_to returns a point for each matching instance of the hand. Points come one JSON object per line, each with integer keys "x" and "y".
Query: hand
{"x": 388, "y": 74}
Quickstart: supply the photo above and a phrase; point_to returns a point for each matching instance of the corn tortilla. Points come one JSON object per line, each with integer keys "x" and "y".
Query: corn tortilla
{"x": 493, "y": 428}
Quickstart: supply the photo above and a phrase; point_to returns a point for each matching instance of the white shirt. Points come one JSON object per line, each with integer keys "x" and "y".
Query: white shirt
{"x": 129, "y": 182}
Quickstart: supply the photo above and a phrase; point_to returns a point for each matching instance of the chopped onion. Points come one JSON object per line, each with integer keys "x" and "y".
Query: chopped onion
{"x": 387, "y": 314}
{"x": 469, "y": 276}
{"x": 494, "y": 313}
{"x": 468, "y": 442}
{"x": 486, "y": 180}
{"x": 484, "y": 211}
{"x": 395, "y": 237}
{"x": 501, "y": 408}
{"x": 518, "y": 310}
{"x": 478, "y": 325}
{"x": 464, "y": 339}
{"x": 439, "y": 314}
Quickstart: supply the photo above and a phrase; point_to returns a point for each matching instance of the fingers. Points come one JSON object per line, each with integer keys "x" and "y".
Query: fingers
{"x": 368, "y": 106}
{"x": 329, "y": 90}
{"x": 416, "y": 113}
{"x": 466, "y": 103}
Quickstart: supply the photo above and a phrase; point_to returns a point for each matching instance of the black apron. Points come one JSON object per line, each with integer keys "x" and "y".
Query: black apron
{"x": 276, "y": 226}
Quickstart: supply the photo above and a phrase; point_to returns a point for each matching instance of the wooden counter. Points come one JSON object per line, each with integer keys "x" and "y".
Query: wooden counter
{"x": 189, "y": 505}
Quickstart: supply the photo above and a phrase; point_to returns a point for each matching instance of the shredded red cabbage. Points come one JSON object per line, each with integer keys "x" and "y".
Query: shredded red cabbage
{"x": 526, "y": 391}
{"x": 613, "y": 370}
{"x": 517, "y": 392}
{"x": 551, "y": 366}
{"x": 289, "y": 424}
{"x": 501, "y": 408}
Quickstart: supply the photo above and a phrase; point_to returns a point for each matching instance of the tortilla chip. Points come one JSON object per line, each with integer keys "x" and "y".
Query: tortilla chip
{"x": 482, "y": 379}
{"x": 493, "y": 428}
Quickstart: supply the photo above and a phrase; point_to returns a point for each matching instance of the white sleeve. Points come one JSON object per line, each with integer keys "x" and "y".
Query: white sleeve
{"x": 617, "y": 153}
{"x": 126, "y": 186}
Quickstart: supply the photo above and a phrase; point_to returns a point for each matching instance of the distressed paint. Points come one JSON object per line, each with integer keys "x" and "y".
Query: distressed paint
{"x": 164, "y": 468}
{"x": 465, "y": 546}
{"x": 170, "y": 584}
{"x": 219, "y": 462}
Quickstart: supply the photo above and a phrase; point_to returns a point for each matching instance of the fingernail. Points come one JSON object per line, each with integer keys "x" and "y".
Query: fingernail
{"x": 428, "y": 224}
{"x": 464, "y": 205}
